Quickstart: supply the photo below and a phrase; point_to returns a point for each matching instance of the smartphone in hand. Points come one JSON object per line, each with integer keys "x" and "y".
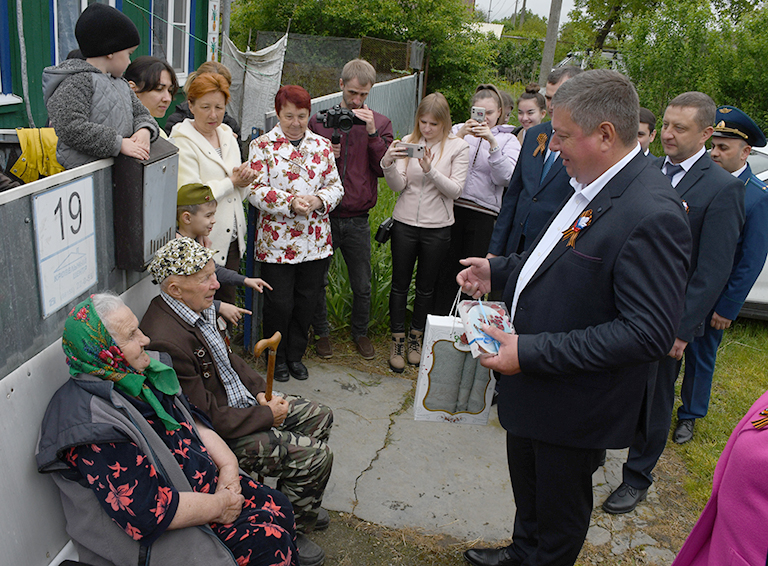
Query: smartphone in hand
{"x": 414, "y": 150}
{"x": 478, "y": 114}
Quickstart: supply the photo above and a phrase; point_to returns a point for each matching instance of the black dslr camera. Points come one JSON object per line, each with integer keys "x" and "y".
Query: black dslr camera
{"x": 338, "y": 118}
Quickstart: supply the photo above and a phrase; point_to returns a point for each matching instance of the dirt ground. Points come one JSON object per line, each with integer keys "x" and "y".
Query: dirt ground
{"x": 667, "y": 518}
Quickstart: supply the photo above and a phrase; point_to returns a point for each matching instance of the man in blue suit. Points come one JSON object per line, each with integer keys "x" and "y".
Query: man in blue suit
{"x": 714, "y": 204}
{"x": 595, "y": 301}
{"x": 538, "y": 186}
{"x": 734, "y": 136}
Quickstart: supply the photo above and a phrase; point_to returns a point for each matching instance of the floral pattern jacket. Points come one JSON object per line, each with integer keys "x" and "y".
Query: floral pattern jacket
{"x": 283, "y": 172}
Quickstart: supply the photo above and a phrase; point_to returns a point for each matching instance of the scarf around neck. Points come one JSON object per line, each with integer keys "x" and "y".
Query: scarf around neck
{"x": 90, "y": 349}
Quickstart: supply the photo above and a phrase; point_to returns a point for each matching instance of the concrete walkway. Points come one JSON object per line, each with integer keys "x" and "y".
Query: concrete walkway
{"x": 439, "y": 478}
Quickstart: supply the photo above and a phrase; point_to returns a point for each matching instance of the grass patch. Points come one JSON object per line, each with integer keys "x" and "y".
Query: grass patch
{"x": 740, "y": 378}
{"x": 339, "y": 291}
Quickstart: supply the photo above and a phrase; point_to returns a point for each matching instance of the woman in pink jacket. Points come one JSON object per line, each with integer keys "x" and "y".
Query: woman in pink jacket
{"x": 423, "y": 217}
{"x": 731, "y": 529}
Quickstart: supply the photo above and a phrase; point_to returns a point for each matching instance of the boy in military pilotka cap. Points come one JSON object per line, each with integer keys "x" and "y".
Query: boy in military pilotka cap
{"x": 734, "y": 136}
{"x": 92, "y": 108}
{"x": 195, "y": 217}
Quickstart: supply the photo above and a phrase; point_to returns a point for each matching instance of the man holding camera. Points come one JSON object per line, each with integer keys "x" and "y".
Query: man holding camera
{"x": 358, "y": 154}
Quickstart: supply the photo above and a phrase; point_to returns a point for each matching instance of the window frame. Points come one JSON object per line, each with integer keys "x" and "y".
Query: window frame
{"x": 56, "y": 55}
{"x": 170, "y": 26}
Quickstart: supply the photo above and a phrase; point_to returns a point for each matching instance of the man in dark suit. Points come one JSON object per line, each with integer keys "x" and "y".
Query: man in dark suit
{"x": 284, "y": 437}
{"x": 734, "y": 136}
{"x": 538, "y": 186}
{"x": 647, "y": 131}
{"x": 714, "y": 201}
{"x": 595, "y": 302}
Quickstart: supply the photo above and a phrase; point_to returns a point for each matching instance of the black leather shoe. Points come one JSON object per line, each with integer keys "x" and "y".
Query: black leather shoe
{"x": 684, "y": 431}
{"x": 298, "y": 370}
{"x": 281, "y": 372}
{"x": 490, "y": 557}
{"x": 310, "y": 554}
{"x": 624, "y": 499}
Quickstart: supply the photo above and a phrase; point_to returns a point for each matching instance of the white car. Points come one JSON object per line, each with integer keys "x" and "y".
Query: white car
{"x": 756, "y": 305}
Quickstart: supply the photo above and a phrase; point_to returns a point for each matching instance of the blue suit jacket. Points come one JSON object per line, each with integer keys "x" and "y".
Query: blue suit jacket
{"x": 529, "y": 203}
{"x": 751, "y": 249}
{"x": 594, "y": 318}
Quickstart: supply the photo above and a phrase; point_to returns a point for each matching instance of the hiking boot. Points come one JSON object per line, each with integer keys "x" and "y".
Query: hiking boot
{"x": 397, "y": 352}
{"x": 414, "y": 346}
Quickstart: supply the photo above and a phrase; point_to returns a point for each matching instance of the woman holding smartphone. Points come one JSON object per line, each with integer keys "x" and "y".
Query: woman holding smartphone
{"x": 493, "y": 153}
{"x": 423, "y": 216}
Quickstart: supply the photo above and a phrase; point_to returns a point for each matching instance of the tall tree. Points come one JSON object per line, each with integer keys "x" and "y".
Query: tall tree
{"x": 608, "y": 17}
{"x": 459, "y": 58}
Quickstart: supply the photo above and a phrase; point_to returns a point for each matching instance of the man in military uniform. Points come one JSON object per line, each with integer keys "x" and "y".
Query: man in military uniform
{"x": 734, "y": 136}
{"x": 284, "y": 437}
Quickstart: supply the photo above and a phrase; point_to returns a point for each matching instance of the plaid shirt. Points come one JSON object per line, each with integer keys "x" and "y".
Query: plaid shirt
{"x": 237, "y": 394}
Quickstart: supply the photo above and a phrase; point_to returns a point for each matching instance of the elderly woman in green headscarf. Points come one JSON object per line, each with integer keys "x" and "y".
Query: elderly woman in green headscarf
{"x": 144, "y": 478}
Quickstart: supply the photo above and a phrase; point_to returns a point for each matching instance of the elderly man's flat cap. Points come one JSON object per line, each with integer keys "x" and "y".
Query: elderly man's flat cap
{"x": 182, "y": 256}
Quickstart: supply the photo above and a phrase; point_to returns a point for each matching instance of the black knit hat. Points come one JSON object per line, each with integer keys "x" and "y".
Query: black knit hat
{"x": 101, "y": 30}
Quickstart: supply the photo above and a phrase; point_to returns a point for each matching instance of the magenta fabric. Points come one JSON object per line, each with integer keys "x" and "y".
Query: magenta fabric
{"x": 731, "y": 529}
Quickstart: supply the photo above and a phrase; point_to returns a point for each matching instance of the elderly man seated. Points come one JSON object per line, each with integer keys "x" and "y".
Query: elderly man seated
{"x": 285, "y": 437}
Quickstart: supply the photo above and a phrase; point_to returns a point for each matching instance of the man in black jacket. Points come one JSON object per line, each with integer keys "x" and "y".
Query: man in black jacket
{"x": 595, "y": 302}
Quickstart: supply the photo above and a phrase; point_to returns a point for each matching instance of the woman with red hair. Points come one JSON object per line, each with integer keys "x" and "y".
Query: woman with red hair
{"x": 296, "y": 186}
{"x": 209, "y": 154}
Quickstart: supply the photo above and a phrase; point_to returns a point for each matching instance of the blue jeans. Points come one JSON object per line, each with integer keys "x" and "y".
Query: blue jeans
{"x": 353, "y": 237}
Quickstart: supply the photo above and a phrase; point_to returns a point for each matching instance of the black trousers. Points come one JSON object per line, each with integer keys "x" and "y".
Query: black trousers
{"x": 646, "y": 451}
{"x": 409, "y": 243}
{"x": 228, "y": 293}
{"x": 553, "y": 493}
{"x": 289, "y": 307}
{"x": 470, "y": 237}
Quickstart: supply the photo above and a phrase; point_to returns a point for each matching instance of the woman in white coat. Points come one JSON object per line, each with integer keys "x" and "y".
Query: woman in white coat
{"x": 209, "y": 154}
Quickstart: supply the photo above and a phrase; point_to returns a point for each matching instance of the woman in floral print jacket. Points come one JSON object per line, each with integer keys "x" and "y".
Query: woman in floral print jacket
{"x": 296, "y": 186}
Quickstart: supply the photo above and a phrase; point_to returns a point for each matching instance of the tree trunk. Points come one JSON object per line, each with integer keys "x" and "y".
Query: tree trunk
{"x": 548, "y": 56}
{"x": 522, "y": 16}
{"x": 602, "y": 34}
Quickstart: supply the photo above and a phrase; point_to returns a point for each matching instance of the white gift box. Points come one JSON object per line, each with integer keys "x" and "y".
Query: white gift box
{"x": 452, "y": 385}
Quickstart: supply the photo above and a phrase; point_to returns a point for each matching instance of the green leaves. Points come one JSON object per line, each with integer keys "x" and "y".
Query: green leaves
{"x": 458, "y": 58}
{"x": 686, "y": 45}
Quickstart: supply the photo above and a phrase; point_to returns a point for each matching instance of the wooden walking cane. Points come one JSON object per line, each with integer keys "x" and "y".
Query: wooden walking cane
{"x": 272, "y": 344}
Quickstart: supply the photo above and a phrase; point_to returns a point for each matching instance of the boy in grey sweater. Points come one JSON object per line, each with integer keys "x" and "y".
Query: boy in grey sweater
{"x": 92, "y": 108}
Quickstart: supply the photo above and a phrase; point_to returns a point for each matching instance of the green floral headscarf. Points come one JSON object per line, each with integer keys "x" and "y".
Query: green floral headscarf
{"x": 91, "y": 349}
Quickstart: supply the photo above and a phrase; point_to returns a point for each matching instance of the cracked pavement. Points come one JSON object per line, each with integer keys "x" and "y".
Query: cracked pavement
{"x": 440, "y": 478}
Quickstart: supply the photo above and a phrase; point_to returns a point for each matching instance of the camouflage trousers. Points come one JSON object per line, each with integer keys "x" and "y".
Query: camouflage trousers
{"x": 296, "y": 454}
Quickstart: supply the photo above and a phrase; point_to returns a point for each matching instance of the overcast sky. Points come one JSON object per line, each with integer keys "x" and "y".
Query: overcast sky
{"x": 503, "y": 8}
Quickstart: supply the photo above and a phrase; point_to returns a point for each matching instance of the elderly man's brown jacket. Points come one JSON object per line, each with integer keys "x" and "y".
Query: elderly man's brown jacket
{"x": 198, "y": 374}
